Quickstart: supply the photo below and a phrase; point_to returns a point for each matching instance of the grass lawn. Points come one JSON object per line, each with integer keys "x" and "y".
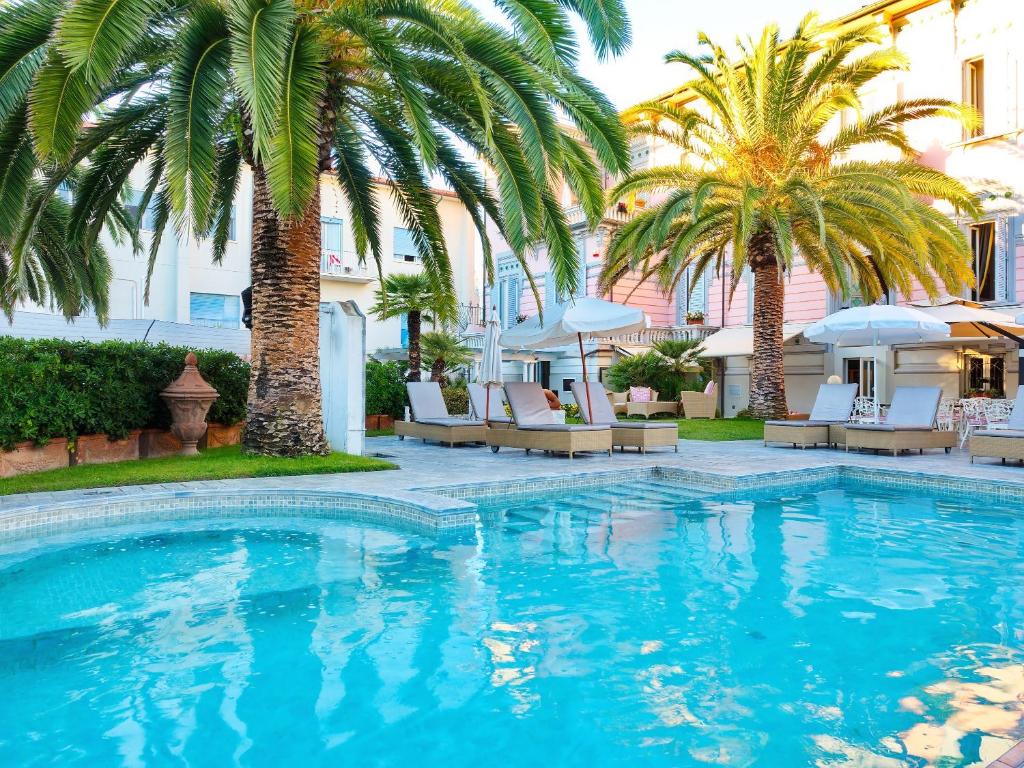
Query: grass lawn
{"x": 214, "y": 464}
{"x": 719, "y": 429}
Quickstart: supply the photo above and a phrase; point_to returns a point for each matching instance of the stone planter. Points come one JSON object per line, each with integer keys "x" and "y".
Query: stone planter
{"x": 28, "y": 457}
{"x": 154, "y": 443}
{"x": 220, "y": 435}
{"x": 380, "y": 421}
{"x": 99, "y": 449}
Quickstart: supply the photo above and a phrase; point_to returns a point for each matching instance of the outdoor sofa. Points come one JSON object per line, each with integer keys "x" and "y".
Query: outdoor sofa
{"x": 909, "y": 425}
{"x": 648, "y": 408}
{"x": 635, "y": 434}
{"x": 535, "y": 428}
{"x": 430, "y": 419}
{"x": 833, "y": 405}
{"x": 1002, "y": 443}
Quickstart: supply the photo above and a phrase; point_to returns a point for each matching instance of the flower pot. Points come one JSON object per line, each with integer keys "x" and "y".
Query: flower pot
{"x": 29, "y": 457}
{"x": 99, "y": 449}
{"x": 695, "y": 321}
{"x": 154, "y": 443}
{"x": 220, "y": 435}
{"x": 379, "y": 421}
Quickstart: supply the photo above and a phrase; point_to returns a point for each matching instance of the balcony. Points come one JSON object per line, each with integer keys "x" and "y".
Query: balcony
{"x": 613, "y": 214}
{"x": 650, "y": 336}
{"x": 344, "y": 267}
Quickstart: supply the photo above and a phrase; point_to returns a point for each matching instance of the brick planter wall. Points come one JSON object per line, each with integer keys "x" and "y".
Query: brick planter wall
{"x": 220, "y": 435}
{"x": 98, "y": 449}
{"x": 380, "y": 421}
{"x": 27, "y": 457}
{"x": 154, "y": 443}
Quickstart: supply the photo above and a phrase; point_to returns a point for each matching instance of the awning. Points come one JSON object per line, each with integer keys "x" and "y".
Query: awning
{"x": 969, "y": 320}
{"x": 729, "y": 342}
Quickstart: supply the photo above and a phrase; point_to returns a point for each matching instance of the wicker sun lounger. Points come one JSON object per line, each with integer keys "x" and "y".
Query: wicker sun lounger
{"x": 479, "y": 400}
{"x": 636, "y": 434}
{"x": 833, "y": 405}
{"x": 535, "y": 428}
{"x": 1002, "y": 443}
{"x": 909, "y": 425}
{"x": 431, "y": 420}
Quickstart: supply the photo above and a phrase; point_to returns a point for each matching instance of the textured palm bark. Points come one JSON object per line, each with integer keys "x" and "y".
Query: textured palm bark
{"x": 415, "y": 321}
{"x": 767, "y": 372}
{"x": 284, "y": 408}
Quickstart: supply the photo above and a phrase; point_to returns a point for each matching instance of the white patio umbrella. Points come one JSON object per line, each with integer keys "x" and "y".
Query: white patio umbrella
{"x": 581, "y": 320}
{"x": 490, "y": 360}
{"x": 874, "y": 325}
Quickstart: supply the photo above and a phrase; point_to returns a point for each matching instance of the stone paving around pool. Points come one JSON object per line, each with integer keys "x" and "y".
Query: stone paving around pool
{"x": 431, "y": 487}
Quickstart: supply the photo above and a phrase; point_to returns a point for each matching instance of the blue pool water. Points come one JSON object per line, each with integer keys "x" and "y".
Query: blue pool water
{"x": 626, "y": 626}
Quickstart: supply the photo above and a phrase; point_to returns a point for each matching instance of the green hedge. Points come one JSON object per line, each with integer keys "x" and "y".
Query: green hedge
{"x": 385, "y": 388}
{"x": 54, "y": 388}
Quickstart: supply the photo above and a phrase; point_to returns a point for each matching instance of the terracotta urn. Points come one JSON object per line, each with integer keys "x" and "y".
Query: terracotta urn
{"x": 189, "y": 398}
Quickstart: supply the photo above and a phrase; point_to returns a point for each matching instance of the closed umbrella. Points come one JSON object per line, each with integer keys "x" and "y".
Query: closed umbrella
{"x": 874, "y": 325}
{"x": 490, "y": 360}
{"x": 581, "y": 320}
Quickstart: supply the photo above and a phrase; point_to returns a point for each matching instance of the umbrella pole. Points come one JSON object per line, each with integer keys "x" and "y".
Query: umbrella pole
{"x": 586, "y": 387}
{"x": 874, "y": 379}
{"x": 487, "y": 406}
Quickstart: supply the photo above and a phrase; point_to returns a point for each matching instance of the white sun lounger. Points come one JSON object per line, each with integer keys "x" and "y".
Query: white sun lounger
{"x": 909, "y": 425}
{"x": 478, "y": 399}
{"x": 431, "y": 420}
{"x": 535, "y": 427}
{"x": 1005, "y": 443}
{"x": 637, "y": 434}
{"x": 833, "y": 405}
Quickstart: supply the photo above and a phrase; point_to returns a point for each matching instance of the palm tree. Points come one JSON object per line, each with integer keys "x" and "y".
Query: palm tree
{"x": 294, "y": 89}
{"x": 766, "y": 179}
{"x": 443, "y": 352}
{"x": 411, "y": 295}
{"x": 682, "y": 354}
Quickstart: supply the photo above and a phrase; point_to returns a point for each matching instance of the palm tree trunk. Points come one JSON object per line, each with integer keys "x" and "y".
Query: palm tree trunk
{"x": 284, "y": 409}
{"x": 767, "y": 373}
{"x": 437, "y": 372}
{"x": 415, "y": 359}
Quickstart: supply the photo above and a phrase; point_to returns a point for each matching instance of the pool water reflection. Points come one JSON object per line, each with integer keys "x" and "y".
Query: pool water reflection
{"x": 626, "y": 624}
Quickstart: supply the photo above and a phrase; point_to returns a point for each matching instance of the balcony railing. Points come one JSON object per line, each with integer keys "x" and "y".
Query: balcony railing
{"x": 618, "y": 214}
{"x": 342, "y": 265}
{"x": 650, "y": 336}
{"x": 470, "y": 316}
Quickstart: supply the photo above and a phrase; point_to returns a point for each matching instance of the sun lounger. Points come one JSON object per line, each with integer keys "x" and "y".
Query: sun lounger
{"x": 1005, "y": 443}
{"x": 833, "y": 405}
{"x": 479, "y": 400}
{"x": 909, "y": 425}
{"x": 430, "y": 419}
{"x": 535, "y": 427}
{"x": 636, "y": 434}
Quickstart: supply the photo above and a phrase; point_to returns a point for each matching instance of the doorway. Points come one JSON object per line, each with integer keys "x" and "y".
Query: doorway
{"x": 860, "y": 371}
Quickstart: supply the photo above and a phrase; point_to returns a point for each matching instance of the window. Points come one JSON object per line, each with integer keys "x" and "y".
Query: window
{"x": 985, "y": 374}
{"x": 581, "y": 271}
{"x": 405, "y": 247}
{"x": 215, "y": 310}
{"x": 148, "y": 221}
{"x": 233, "y": 225}
{"x": 508, "y": 299}
{"x": 330, "y": 246}
{"x": 860, "y": 371}
{"x": 405, "y": 331}
{"x": 983, "y": 247}
{"x": 974, "y": 94}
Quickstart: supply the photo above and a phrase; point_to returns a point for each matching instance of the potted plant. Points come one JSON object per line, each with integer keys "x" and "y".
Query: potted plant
{"x": 695, "y": 318}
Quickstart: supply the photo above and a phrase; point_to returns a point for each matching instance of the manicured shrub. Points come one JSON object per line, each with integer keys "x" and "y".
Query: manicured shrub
{"x": 55, "y": 388}
{"x": 385, "y": 388}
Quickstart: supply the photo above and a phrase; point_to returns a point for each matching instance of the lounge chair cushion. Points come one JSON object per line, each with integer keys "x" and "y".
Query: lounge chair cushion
{"x": 599, "y": 405}
{"x": 562, "y": 427}
{"x": 1014, "y": 433}
{"x": 528, "y": 404}
{"x": 833, "y": 403}
{"x": 801, "y": 423}
{"x": 1016, "y": 420}
{"x": 426, "y": 401}
{"x": 644, "y": 425}
{"x": 914, "y": 407}
{"x": 451, "y": 421}
{"x": 891, "y": 427}
{"x": 478, "y": 398}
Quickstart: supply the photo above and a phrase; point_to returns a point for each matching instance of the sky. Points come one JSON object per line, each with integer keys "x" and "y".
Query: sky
{"x": 660, "y": 26}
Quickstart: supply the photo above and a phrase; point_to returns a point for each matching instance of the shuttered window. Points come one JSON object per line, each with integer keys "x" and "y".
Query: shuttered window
{"x": 405, "y": 246}
{"x": 215, "y": 310}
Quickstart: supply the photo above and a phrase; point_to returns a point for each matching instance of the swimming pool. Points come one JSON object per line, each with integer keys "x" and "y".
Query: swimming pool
{"x": 611, "y": 627}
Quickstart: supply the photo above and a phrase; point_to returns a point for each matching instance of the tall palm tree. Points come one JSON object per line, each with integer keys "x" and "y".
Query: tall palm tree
{"x": 443, "y": 352}
{"x": 767, "y": 179}
{"x": 294, "y": 89}
{"x": 411, "y": 295}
